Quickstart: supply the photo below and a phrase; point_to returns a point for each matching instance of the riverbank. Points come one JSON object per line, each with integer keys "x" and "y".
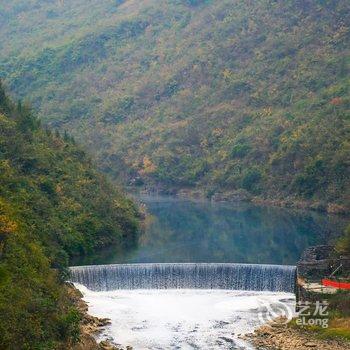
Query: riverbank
{"x": 284, "y": 337}
{"x": 285, "y": 202}
{"x": 244, "y": 196}
{"x": 90, "y": 326}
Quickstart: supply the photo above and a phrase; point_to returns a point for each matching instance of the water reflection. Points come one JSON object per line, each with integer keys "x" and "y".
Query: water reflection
{"x": 185, "y": 231}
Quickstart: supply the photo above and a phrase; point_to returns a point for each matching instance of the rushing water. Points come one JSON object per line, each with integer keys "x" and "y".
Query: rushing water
{"x": 186, "y": 276}
{"x": 184, "y": 319}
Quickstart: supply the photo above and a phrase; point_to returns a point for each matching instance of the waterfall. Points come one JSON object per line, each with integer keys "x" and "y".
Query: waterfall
{"x": 189, "y": 275}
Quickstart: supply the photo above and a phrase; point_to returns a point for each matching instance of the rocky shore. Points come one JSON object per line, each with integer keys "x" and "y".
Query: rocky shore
{"x": 282, "y": 337}
{"x": 90, "y": 326}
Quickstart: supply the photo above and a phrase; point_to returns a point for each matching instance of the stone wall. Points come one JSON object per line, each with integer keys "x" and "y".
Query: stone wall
{"x": 321, "y": 261}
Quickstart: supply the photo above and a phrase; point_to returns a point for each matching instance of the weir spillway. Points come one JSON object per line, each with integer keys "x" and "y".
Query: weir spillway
{"x": 255, "y": 277}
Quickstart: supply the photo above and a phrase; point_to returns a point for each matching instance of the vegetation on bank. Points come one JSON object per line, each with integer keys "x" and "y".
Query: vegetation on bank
{"x": 338, "y": 318}
{"x": 53, "y": 206}
{"x": 215, "y": 94}
{"x": 343, "y": 243}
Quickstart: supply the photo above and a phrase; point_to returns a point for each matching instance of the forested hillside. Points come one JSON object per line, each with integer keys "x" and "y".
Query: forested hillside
{"x": 53, "y": 206}
{"x": 212, "y": 94}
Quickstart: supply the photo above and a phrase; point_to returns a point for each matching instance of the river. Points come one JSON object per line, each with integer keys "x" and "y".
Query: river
{"x": 181, "y": 230}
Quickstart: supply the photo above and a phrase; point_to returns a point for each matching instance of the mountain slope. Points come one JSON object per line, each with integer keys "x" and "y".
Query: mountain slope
{"x": 220, "y": 95}
{"x": 53, "y": 206}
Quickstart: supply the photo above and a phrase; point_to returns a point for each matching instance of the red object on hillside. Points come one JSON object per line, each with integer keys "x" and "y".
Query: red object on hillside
{"x": 340, "y": 285}
{"x": 336, "y": 101}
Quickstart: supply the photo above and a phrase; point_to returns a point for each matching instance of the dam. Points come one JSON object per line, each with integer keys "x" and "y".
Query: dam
{"x": 229, "y": 276}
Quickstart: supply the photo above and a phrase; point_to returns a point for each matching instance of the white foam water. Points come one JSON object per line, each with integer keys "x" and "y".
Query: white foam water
{"x": 182, "y": 318}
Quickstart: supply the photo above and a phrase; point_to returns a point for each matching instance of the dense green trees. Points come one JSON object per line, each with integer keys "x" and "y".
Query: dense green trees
{"x": 53, "y": 206}
{"x": 220, "y": 95}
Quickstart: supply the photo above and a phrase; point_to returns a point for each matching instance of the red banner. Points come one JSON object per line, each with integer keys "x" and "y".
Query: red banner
{"x": 335, "y": 284}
